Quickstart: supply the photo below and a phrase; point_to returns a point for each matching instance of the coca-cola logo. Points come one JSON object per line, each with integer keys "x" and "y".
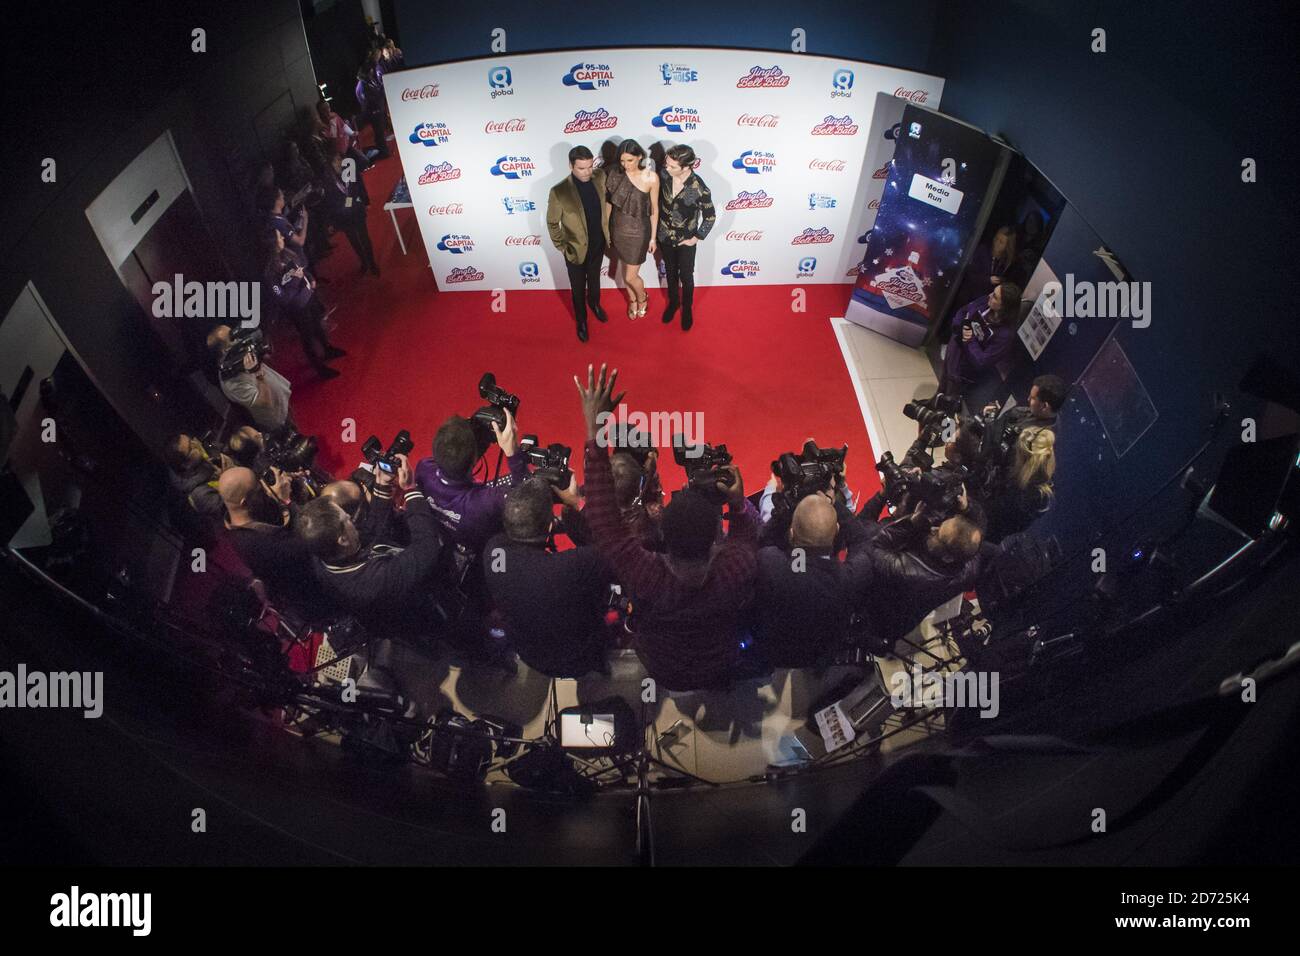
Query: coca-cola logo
{"x": 751, "y": 235}
{"x": 449, "y": 209}
{"x": 767, "y": 119}
{"x": 874, "y": 204}
{"x": 912, "y": 96}
{"x": 426, "y": 92}
{"x": 827, "y": 165}
{"x": 504, "y": 126}
{"x": 523, "y": 240}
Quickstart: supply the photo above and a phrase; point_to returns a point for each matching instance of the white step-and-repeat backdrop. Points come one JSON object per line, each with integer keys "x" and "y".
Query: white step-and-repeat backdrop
{"x": 782, "y": 142}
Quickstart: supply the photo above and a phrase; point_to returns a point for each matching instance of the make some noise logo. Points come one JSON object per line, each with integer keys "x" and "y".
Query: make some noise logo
{"x": 810, "y": 236}
{"x": 676, "y": 119}
{"x": 806, "y": 267}
{"x": 514, "y": 167}
{"x": 932, "y": 689}
{"x": 208, "y": 300}
{"x": 515, "y": 125}
{"x": 465, "y": 274}
{"x": 589, "y": 76}
{"x": 767, "y": 120}
{"x": 75, "y": 909}
{"x": 741, "y": 268}
{"x": 447, "y": 209}
{"x": 430, "y": 134}
{"x": 586, "y": 120}
{"x": 821, "y": 201}
{"x": 677, "y": 73}
{"x": 836, "y": 126}
{"x": 426, "y": 92}
{"x": 759, "y": 76}
{"x": 755, "y": 161}
{"x": 516, "y": 205}
{"x": 456, "y": 244}
{"x": 758, "y": 199}
{"x": 438, "y": 173}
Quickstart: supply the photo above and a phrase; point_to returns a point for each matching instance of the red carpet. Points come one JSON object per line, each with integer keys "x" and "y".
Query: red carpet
{"x": 764, "y": 378}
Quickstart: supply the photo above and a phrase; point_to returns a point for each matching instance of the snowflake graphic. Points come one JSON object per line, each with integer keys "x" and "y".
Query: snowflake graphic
{"x": 889, "y": 252}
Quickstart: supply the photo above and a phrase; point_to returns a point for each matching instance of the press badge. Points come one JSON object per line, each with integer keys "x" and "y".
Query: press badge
{"x": 348, "y": 203}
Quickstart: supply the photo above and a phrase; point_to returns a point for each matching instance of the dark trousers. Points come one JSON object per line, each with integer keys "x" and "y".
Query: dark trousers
{"x": 679, "y": 264}
{"x": 310, "y": 323}
{"x": 378, "y": 122}
{"x": 584, "y": 280}
{"x": 352, "y": 223}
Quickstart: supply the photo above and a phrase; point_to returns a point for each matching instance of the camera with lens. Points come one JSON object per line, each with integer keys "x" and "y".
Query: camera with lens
{"x": 704, "y": 466}
{"x": 550, "y": 463}
{"x": 810, "y": 471}
{"x": 939, "y": 488}
{"x": 290, "y": 453}
{"x": 499, "y": 402}
{"x": 931, "y": 413}
{"x": 386, "y": 461}
{"x": 245, "y": 342}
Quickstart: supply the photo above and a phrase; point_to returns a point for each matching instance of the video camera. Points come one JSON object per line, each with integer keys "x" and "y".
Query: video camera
{"x": 931, "y": 413}
{"x": 812, "y": 470}
{"x": 550, "y": 463}
{"x": 293, "y": 452}
{"x": 939, "y": 488}
{"x": 499, "y": 402}
{"x": 703, "y": 464}
{"x": 386, "y": 461}
{"x": 241, "y": 344}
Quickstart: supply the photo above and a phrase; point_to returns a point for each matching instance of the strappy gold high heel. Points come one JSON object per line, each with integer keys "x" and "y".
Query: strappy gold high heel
{"x": 642, "y": 306}
{"x": 631, "y": 307}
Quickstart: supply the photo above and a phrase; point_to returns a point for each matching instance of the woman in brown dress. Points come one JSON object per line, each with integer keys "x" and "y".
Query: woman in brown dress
{"x": 634, "y": 218}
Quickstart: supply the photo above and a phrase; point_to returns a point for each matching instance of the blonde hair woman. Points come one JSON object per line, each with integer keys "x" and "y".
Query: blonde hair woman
{"x": 1027, "y": 493}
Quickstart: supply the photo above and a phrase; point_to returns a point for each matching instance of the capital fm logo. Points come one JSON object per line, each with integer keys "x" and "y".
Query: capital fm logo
{"x": 677, "y": 73}
{"x": 810, "y": 236}
{"x": 447, "y": 209}
{"x": 500, "y": 82}
{"x": 759, "y": 76}
{"x": 430, "y": 134}
{"x": 464, "y": 274}
{"x": 426, "y": 92}
{"x": 514, "y": 167}
{"x": 586, "y": 120}
{"x": 456, "y": 244}
{"x": 842, "y": 83}
{"x": 517, "y": 205}
{"x": 758, "y": 199}
{"x": 676, "y": 119}
{"x": 589, "y": 76}
{"x": 821, "y": 201}
{"x": 529, "y": 273}
{"x": 755, "y": 161}
{"x": 806, "y": 267}
{"x": 438, "y": 173}
{"x": 741, "y": 268}
{"x": 836, "y": 126}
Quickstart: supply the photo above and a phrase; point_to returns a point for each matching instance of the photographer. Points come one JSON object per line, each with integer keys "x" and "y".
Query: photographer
{"x": 389, "y": 589}
{"x": 193, "y": 470}
{"x": 271, "y": 202}
{"x": 252, "y": 384}
{"x": 690, "y": 600}
{"x": 1046, "y": 396}
{"x": 345, "y": 206}
{"x": 805, "y": 593}
{"x": 470, "y": 510}
{"x": 639, "y": 497}
{"x": 983, "y": 334}
{"x": 293, "y": 290}
{"x": 553, "y": 602}
{"x": 258, "y": 519}
{"x": 1024, "y": 493}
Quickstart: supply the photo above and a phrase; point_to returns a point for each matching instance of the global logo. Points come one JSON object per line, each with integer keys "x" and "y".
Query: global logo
{"x": 821, "y": 201}
{"x": 676, "y": 119}
{"x": 499, "y": 81}
{"x": 842, "y": 83}
{"x": 750, "y": 235}
{"x": 533, "y": 240}
{"x": 741, "y": 268}
{"x": 836, "y": 126}
{"x": 504, "y": 126}
{"x": 426, "y": 92}
{"x": 677, "y": 73}
{"x": 912, "y": 96}
{"x": 763, "y": 77}
{"x": 767, "y": 120}
{"x": 589, "y": 76}
{"x": 827, "y": 165}
{"x": 518, "y": 204}
{"x": 430, "y": 134}
{"x": 456, "y": 244}
{"x": 810, "y": 235}
{"x": 447, "y": 209}
{"x": 437, "y": 174}
{"x": 758, "y": 199}
{"x": 528, "y": 273}
{"x": 806, "y": 267}
{"x": 465, "y": 274}
{"x": 754, "y": 161}
{"x": 586, "y": 120}
{"x": 514, "y": 167}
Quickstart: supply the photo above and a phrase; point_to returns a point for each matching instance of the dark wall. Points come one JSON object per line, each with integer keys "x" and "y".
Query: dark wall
{"x": 875, "y": 32}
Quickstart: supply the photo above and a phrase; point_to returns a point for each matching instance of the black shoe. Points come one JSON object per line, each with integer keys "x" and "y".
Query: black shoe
{"x": 325, "y": 373}
{"x": 687, "y": 320}
{"x": 670, "y": 313}
{"x": 599, "y": 313}
{"x": 582, "y": 330}
{"x": 333, "y": 353}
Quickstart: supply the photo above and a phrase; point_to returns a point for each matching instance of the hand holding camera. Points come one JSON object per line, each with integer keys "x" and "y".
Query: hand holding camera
{"x": 507, "y": 437}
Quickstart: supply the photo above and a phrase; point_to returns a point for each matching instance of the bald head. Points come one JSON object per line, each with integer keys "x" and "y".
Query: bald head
{"x": 814, "y": 523}
{"x": 346, "y": 494}
{"x": 959, "y": 538}
{"x": 235, "y": 485}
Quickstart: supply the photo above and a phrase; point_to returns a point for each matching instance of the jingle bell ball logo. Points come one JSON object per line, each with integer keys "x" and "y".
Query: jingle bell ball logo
{"x": 447, "y": 209}
{"x": 517, "y": 205}
{"x": 676, "y": 119}
{"x": 677, "y": 73}
{"x": 741, "y": 268}
{"x": 456, "y": 244}
{"x": 821, "y": 201}
{"x": 430, "y": 134}
{"x": 810, "y": 236}
{"x": 759, "y": 76}
{"x": 514, "y": 167}
{"x": 589, "y": 76}
{"x": 806, "y": 267}
{"x": 758, "y": 199}
{"x": 465, "y": 274}
{"x": 426, "y": 92}
{"x": 438, "y": 173}
{"x": 500, "y": 82}
{"x": 755, "y": 161}
{"x": 529, "y": 273}
{"x": 586, "y": 120}
{"x": 881, "y": 173}
{"x": 836, "y": 126}
{"x": 515, "y": 125}
{"x": 842, "y": 83}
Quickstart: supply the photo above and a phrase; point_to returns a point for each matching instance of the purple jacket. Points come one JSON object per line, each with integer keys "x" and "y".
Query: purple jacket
{"x": 469, "y": 510}
{"x": 975, "y": 355}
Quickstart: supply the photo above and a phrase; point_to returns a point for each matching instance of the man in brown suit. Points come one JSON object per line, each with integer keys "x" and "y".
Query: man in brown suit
{"x": 577, "y": 211}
